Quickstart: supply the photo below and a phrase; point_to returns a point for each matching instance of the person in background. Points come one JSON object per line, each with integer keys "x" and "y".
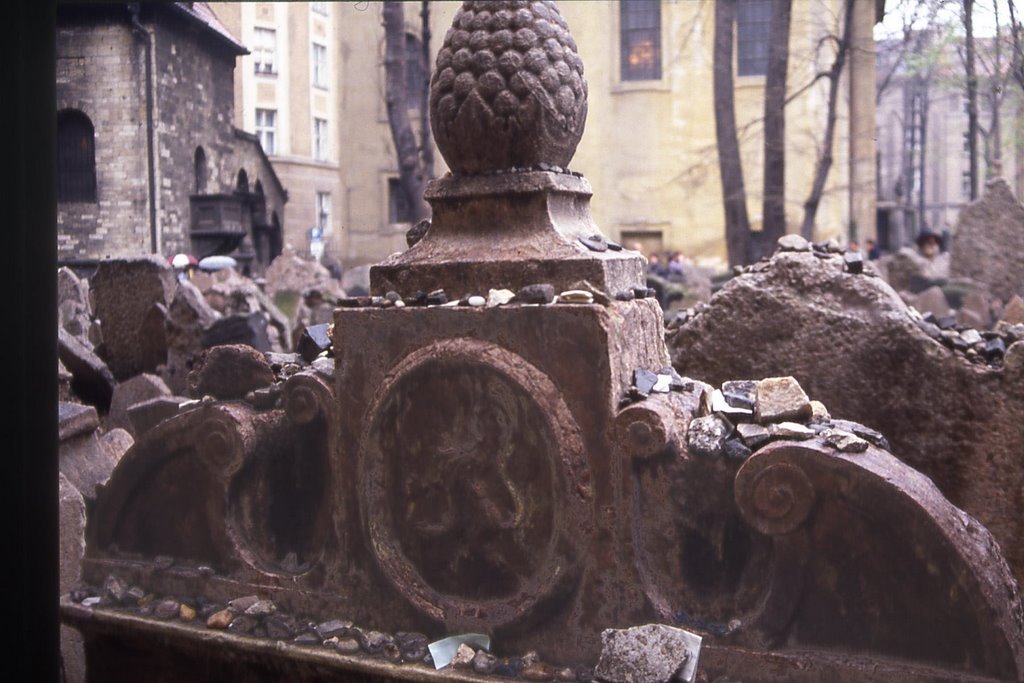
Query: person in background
{"x": 655, "y": 266}
{"x": 676, "y": 267}
{"x": 873, "y": 251}
{"x": 853, "y": 245}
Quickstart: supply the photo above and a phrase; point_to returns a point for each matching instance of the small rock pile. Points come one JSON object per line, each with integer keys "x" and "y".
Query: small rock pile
{"x": 256, "y": 617}
{"x": 581, "y": 292}
{"x": 744, "y": 415}
{"x": 984, "y": 347}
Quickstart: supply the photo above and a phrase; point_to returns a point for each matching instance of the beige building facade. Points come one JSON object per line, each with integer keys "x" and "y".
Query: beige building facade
{"x": 287, "y": 91}
{"x": 649, "y": 148}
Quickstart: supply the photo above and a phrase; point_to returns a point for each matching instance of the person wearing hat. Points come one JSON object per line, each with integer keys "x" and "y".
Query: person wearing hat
{"x": 929, "y": 244}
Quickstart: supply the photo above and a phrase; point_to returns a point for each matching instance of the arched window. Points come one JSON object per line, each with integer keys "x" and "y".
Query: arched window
{"x": 76, "y": 157}
{"x": 201, "y": 170}
{"x": 242, "y": 184}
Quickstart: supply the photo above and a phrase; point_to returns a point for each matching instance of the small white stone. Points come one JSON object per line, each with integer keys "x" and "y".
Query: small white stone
{"x": 576, "y": 296}
{"x": 399, "y": 304}
{"x": 498, "y": 297}
{"x": 476, "y": 301}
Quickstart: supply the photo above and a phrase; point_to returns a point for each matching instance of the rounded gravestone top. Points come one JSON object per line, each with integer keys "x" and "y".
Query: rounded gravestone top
{"x": 508, "y": 88}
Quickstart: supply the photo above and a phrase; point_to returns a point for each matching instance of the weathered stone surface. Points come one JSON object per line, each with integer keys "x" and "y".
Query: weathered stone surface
{"x": 654, "y": 653}
{"x": 536, "y": 294}
{"x": 133, "y": 338}
{"x": 87, "y": 463}
{"x": 779, "y": 399}
{"x": 851, "y": 342}
{"x": 126, "y": 394}
{"x": 230, "y": 371}
{"x": 988, "y": 244}
{"x": 187, "y": 317}
{"x": 314, "y": 340}
{"x": 238, "y": 328}
{"x": 1013, "y": 314}
{"x": 92, "y": 381}
{"x": 507, "y": 98}
{"x": 932, "y": 300}
{"x": 72, "y": 550}
{"x": 290, "y": 272}
{"x": 706, "y": 435}
{"x": 793, "y": 242}
{"x": 147, "y": 414}
{"x": 221, "y": 619}
{"x": 63, "y": 382}
{"x": 74, "y": 419}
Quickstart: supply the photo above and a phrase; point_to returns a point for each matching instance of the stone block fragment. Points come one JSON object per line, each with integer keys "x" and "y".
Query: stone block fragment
{"x": 126, "y": 394}
{"x": 230, "y": 372}
{"x": 130, "y": 298}
{"x": 653, "y": 653}
{"x": 781, "y": 399}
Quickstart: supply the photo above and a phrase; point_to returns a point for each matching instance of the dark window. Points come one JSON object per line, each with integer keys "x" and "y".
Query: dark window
{"x": 753, "y": 28}
{"x": 415, "y": 74}
{"x": 76, "y": 157}
{"x": 640, "y": 37}
{"x": 399, "y": 210}
{"x": 242, "y": 183}
{"x": 200, "y": 170}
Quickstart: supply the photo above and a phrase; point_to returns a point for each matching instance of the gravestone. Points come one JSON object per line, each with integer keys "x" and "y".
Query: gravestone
{"x": 988, "y": 245}
{"x": 502, "y": 450}
{"x": 131, "y": 296}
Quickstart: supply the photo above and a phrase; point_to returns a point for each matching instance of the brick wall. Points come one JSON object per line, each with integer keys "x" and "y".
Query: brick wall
{"x": 195, "y": 107}
{"x": 100, "y": 72}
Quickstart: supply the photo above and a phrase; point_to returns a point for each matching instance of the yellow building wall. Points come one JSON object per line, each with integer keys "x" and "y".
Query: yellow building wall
{"x": 649, "y": 147}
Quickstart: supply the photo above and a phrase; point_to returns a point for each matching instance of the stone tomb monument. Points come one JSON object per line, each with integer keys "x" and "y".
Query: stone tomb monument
{"x": 523, "y": 470}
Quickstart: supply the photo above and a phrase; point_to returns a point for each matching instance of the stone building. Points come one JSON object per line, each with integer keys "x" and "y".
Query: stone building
{"x": 650, "y": 151}
{"x": 149, "y": 158}
{"x": 923, "y": 158}
{"x": 288, "y": 90}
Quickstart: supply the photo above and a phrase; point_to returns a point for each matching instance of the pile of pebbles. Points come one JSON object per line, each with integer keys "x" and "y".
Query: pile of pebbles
{"x": 581, "y": 292}
{"x": 985, "y": 347}
{"x": 256, "y": 617}
{"x": 741, "y": 416}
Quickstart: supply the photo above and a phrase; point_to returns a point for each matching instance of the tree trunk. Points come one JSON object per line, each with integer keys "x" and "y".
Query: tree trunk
{"x": 734, "y": 196}
{"x": 426, "y": 146}
{"x": 972, "y": 97}
{"x": 410, "y": 172}
{"x": 923, "y": 173}
{"x": 774, "y": 201}
{"x": 825, "y": 158}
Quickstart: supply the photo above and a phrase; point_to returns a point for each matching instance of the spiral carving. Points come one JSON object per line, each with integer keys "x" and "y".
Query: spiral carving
{"x": 776, "y": 499}
{"x": 301, "y": 403}
{"x": 507, "y": 88}
{"x": 219, "y": 442}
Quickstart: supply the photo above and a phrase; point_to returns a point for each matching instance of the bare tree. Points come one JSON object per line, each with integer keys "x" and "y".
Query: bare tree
{"x": 412, "y": 175}
{"x": 426, "y": 149}
{"x": 774, "y": 199}
{"x": 972, "y": 96}
{"x": 734, "y": 196}
{"x": 825, "y": 159}
{"x": 1017, "y": 46}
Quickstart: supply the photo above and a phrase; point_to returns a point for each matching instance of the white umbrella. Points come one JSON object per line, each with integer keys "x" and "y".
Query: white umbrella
{"x": 217, "y": 262}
